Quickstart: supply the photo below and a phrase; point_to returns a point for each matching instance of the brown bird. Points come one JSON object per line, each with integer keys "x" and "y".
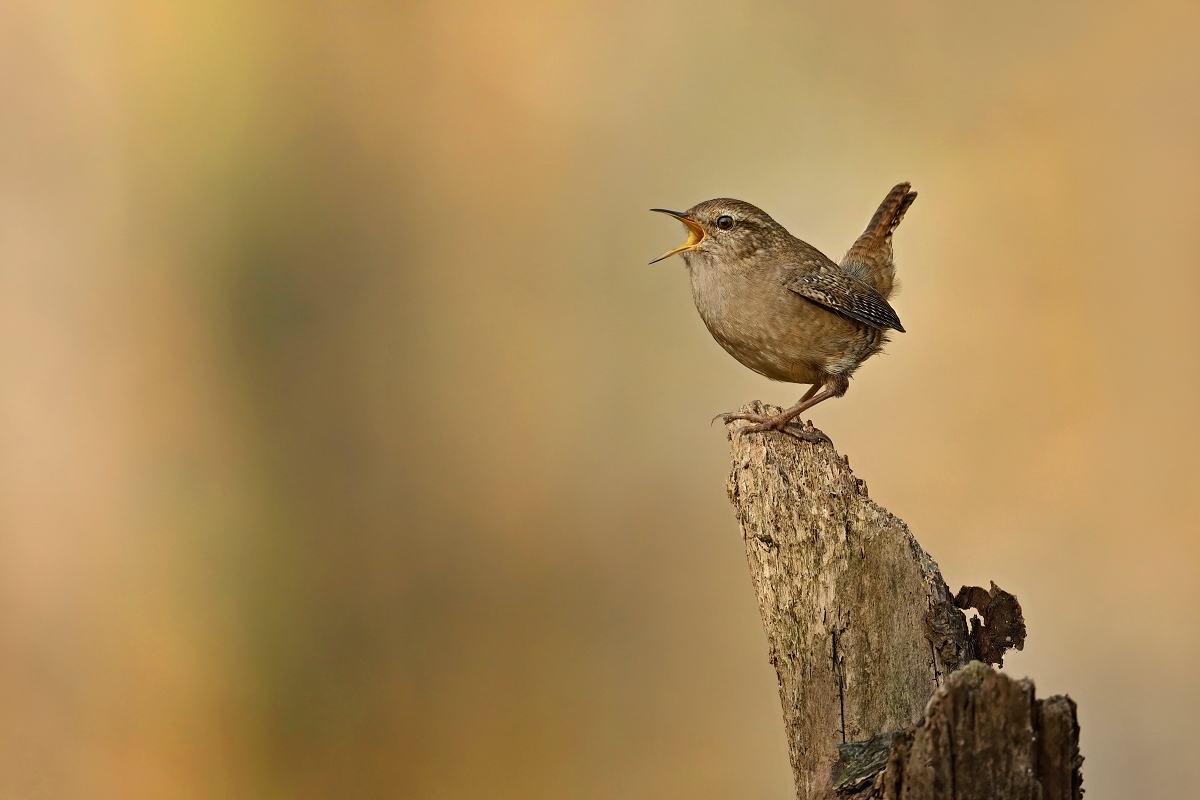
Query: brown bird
{"x": 784, "y": 309}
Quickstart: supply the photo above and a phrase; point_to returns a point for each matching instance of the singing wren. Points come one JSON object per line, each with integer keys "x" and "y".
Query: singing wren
{"x": 784, "y": 309}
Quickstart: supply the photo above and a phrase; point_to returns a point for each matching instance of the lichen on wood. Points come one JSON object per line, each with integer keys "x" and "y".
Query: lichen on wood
{"x": 1002, "y": 626}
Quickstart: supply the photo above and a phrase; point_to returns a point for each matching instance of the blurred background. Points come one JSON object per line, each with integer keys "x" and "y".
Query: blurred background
{"x": 349, "y": 447}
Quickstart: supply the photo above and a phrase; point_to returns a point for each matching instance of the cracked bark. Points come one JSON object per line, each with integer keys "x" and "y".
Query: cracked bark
{"x": 984, "y": 736}
{"x": 862, "y": 629}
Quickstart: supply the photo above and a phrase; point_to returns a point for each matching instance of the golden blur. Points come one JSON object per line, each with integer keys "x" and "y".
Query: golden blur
{"x": 350, "y": 448}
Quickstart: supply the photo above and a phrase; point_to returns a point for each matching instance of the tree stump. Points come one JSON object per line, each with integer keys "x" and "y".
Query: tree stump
{"x": 984, "y": 737}
{"x": 862, "y": 629}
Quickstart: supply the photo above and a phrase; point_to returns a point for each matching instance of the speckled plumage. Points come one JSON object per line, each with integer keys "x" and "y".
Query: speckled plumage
{"x": 781, "y": 307}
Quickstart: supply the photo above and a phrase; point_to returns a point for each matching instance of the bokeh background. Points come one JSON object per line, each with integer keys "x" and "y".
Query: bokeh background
{"x": 349, "y": 448}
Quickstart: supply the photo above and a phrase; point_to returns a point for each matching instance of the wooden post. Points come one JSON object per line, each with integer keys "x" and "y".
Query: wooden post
{"x": 861, "y": 628}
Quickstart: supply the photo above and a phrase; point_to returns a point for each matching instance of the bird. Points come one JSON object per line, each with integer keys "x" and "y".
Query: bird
{"x": 783, "y": 308}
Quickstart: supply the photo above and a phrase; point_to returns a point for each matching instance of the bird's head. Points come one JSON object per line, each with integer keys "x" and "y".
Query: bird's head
{"x": 725, "y": 229}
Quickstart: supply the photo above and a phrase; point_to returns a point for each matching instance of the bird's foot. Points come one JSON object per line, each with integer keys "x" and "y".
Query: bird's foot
{"x": 759, "y": 423}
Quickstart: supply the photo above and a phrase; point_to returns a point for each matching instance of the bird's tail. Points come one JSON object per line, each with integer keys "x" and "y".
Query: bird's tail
{"x": 870, "y": 259}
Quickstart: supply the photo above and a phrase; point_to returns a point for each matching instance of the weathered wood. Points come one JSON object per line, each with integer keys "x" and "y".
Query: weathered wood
{"x": 848, "y": 599}
{"x": 984, "y": 736}
{"x": 861, "y": 627}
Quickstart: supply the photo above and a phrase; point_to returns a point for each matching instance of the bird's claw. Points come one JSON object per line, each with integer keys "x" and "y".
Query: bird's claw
{"x": 730, "y": 416}
{"x": 805, "y": 432}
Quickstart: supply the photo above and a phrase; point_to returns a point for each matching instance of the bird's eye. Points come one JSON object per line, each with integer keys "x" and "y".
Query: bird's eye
{"x": 724, "y": 222}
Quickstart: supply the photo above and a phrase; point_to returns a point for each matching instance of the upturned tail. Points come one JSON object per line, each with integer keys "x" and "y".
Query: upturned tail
{"x": 870, "y": 259}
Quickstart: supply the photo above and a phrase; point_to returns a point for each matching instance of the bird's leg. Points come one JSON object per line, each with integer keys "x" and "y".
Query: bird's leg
{"x": 779, "y": 422}
{"x": 811, "y": 391}
{"x": 732, "y": 415}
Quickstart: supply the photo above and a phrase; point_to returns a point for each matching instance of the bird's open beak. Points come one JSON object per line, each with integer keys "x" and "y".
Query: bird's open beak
{"x": 695, "y": 233}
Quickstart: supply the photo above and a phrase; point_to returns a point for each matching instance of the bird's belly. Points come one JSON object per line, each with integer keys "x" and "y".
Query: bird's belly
{"x": 779, "y": 335}
{"x": 784, "y": 358}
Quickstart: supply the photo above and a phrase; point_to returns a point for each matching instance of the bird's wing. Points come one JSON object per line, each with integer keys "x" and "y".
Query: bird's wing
{"x": 824, "y": 282}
